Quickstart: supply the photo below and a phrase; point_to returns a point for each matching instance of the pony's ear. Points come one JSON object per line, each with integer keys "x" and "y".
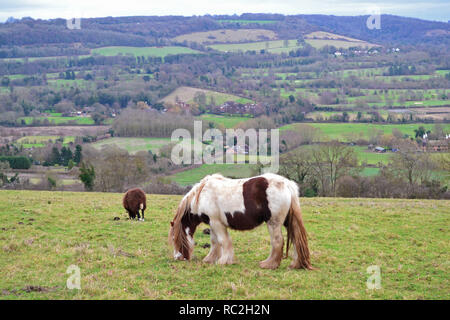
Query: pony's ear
{"x": 171, "y": 223}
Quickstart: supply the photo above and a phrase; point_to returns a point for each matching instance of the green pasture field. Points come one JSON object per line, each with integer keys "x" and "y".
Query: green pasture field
{"x": 41, "y": 141}
{"x": 371, "y": 157}
{"x": 227, "y": 36}
{"x": 320, "y": 43}
{"x": 402, "y": 78}
{"x": 225, "y": 121}
{"x": 59, "y": 120}
{"x": 60, "y": 83}
{"x": 144, "y": 51}
{"x": 46, "y": 232}
{"x": 64, "y": 182}
{"x": 369, "y": 171}
{"x": 274, "y": 46}
{"x": 115, "y": 50}
{"x": 342, "y": 131}
{"x": 31, "y": 59}
{"x": 192, "y": 176}
{"x": 134, "y": 145}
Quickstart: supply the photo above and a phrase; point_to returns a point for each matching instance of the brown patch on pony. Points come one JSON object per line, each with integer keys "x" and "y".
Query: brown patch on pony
{"x": 256, "y": 206}
{"x": 133, "y": 201}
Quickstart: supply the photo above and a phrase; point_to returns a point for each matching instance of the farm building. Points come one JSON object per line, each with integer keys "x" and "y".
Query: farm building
{"x": 237, "y": 149}
{"x": 380, "y": 149}
{"x": 232, "y": 107}
{"x": 436, "y": 145}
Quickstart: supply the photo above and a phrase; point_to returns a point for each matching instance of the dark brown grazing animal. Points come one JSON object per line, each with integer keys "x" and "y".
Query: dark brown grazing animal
{"x": 133, "y": 201}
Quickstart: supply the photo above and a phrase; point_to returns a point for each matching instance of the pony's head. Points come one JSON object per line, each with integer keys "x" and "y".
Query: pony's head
{"x": 183, "y": 225}
{"x": 181, "y": 232}
{"x": 181, "y": 240}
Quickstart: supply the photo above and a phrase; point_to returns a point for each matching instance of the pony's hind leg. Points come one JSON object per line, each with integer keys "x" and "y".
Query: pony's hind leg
{"x": 277, "y": 242}
{"x": 225, "y": 242}
{"x": 215, "y": 251}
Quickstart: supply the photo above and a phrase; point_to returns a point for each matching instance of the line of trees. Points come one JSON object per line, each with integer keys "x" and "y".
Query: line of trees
{"x": 332, "y": 169}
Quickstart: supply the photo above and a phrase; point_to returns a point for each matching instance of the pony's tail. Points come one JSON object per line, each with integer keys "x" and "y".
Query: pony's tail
{"x": 296, "y": 233}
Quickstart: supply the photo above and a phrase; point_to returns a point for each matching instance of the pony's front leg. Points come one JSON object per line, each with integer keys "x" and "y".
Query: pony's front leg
{"x": 216, "y": 249}
{"x": 277, "y": 242}
{"x": 225, "y": 242}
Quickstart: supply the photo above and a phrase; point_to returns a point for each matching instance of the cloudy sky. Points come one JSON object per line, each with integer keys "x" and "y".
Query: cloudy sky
{"x": 47, "y": 9}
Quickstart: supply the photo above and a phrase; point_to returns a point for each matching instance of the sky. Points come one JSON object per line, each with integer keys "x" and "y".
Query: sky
{"x": 438, "y": 10}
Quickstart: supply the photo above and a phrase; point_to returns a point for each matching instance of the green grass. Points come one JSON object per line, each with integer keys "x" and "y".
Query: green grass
{"x": 343, "y": 131}
{"x": 144, "y": 51}
{"x": 46, "y": 232}
{"x": 41, "y": 141}
{"x": 31, "y": 59}
{"x": 60, "y": 83}
{"x": 371, "y": 157}
{"x": 368, "y": 171}
{"x": 274, "y": 46}
{"x": 58, "y": 120}
{"x": 192, "y": 176}
{"x": 226, "y": 121}
{"x": 227, "y": 36}
{"x": 320, "y": 43}
{"x": 133, "y": 145}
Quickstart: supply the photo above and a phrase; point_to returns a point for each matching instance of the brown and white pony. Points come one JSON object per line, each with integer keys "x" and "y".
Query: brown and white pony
{"x": 241, "y": 204}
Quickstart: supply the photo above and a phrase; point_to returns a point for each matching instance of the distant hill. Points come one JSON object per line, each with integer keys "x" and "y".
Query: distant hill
{"x": 394, "y": 29}
{"x": 153, "y": 30}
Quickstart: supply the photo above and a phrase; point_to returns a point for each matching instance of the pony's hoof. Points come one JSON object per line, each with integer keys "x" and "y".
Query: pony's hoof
{"x": 269, "y": 264}
{"x": 209, "y": 260}
{"x": 225, "y": 261}
{"x": 298, "y": 265}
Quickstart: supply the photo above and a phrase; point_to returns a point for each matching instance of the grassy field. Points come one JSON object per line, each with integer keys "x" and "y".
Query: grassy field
{"x": 41, "y": 141}
{"x": 319, "y": 39}
{"x": 133, "y": 145}
{"x": 228, "y": 35}
{"x": 59, "y": 120}
{"x": 274, "y": 46}
{"x": 371, "y": 157}
{"x": 192, "y": 176}
{"x": 115, "y": 50}
{"x": 226, "y": 121}
{"x": 143, "y": 51}
{"x": 187, "y": 94}
{"x": 43, "y": 233}
{"x": 343, "y": 131}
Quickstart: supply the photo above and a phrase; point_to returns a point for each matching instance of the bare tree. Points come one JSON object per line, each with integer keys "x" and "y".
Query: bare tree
{"x": 330, "y": 161}
{"x": 413, "y": 166}
{"x": 296, "y": 165}
{"x": 324, "y": 164}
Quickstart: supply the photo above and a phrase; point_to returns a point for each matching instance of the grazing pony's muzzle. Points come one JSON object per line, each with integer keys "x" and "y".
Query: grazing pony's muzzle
{"x": 182, "y": 250}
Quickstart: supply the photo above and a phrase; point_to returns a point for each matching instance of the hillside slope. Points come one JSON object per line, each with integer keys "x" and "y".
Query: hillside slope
{"x": 45, "y": 232}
